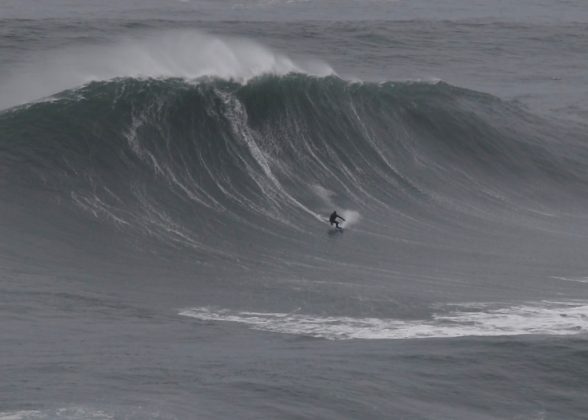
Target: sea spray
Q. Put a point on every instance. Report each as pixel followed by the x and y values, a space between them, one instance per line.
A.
pixel 185 54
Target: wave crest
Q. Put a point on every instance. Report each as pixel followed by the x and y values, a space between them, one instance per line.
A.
pixel 175 54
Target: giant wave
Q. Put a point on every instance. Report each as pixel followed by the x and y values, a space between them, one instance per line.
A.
pixel 237 177
pixel 260 149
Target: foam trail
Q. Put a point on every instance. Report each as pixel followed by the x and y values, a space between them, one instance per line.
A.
pixel 182 54
pixel 545 318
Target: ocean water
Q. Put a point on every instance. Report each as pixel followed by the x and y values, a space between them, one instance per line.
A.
pixel 167 168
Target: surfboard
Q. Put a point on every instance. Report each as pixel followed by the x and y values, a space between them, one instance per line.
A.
pixel 335 230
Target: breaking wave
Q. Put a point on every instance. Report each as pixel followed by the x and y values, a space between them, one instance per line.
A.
pixel 237 178
pixel 278 151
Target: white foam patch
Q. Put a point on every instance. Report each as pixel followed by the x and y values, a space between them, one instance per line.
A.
pixel 542 318
pixel 183 54
pixel 85 413
pixel 19 415
pixel 72 413
pixel 574 279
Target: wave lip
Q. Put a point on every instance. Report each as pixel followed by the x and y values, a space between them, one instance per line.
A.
pixel 539 318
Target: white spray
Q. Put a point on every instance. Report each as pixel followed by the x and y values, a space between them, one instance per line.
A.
pixel 184 54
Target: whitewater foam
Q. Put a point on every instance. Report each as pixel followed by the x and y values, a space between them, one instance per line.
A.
pixel 543 318
pixel 86 413
pixel 70 413
pixel 573 279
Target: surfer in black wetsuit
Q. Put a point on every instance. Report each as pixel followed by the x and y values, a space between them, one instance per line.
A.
pixel 333 219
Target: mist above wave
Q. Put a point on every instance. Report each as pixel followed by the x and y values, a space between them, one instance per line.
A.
pixel 186 54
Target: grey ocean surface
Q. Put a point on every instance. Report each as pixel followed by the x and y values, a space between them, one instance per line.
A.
pixel 166 168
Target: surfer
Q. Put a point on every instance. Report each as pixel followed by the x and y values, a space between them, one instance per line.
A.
pixel 333 219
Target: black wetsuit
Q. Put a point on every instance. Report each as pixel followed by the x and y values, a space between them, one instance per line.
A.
pixel 333 219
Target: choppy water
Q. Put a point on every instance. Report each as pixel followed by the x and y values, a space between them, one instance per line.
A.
pixel 165 173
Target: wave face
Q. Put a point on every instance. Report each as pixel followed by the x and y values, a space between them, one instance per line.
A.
pixel 238 178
